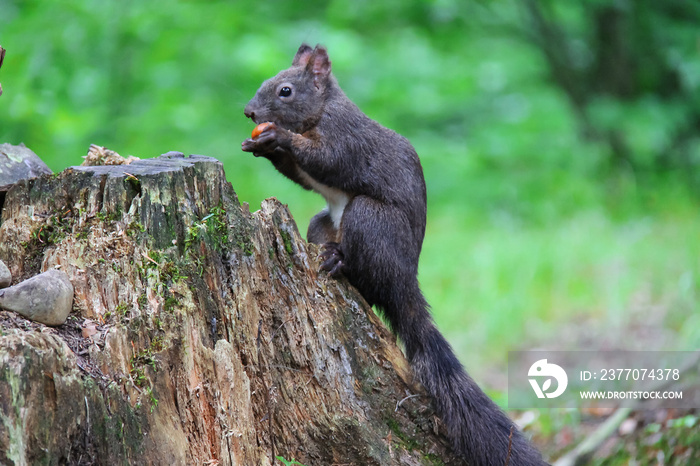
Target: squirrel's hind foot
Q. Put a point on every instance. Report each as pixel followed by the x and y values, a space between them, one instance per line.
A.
pixel 333 259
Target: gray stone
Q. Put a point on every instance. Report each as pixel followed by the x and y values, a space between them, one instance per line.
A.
pixel 19 163
pixel 45 298
pixel 5 276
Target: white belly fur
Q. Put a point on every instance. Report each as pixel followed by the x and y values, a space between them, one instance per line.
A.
pixel 335 198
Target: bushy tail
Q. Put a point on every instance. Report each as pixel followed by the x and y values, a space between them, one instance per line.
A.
pixel 478 429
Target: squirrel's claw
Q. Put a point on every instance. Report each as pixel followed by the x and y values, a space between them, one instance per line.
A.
pixel 332 258
pixel 248 145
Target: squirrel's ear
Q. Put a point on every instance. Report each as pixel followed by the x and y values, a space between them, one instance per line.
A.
pixel 319 65
pixel 302 56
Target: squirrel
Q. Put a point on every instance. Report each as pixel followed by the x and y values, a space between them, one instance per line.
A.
pixel 372 232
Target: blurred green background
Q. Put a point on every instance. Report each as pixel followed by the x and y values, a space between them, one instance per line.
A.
pixel 560 139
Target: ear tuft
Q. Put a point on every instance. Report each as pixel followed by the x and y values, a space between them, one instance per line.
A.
pixel 303 55
pixel 320 65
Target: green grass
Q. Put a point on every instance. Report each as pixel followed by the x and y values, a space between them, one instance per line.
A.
pixel 497 288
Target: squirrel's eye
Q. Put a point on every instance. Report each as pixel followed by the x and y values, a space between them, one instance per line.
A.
pixel 285 91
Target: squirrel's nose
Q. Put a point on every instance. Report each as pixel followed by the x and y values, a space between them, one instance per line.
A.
pixel 248 111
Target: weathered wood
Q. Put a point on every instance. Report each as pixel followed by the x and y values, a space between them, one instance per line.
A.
pixel 201 333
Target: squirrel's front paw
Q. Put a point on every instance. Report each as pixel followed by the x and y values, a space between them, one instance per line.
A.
pixel 248 145
pixel 266 141
pixel 333 259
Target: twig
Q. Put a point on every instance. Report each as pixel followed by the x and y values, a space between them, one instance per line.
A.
pixel 274 334
pixel 149 258
pixel 87 411
pixel 510 445
pixel 591 443
pixel 400 402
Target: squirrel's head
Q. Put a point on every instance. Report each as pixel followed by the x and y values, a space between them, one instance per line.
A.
pixel 294 99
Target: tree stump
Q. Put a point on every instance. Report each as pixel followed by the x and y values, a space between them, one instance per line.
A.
pixel 201 333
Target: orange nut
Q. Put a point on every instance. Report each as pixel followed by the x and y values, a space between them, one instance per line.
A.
pixel 259 129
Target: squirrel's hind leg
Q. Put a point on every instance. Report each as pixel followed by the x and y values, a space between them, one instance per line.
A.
pixel 321 229
pixel 380 257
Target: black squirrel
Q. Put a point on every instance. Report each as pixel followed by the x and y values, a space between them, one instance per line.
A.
pixel 372 232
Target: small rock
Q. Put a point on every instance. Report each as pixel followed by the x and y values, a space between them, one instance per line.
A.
pixel 627 427
pixel 5 276
pixel 45 298
pixel 19 163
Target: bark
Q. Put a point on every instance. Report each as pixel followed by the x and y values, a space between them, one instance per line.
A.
pixel 200 333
